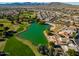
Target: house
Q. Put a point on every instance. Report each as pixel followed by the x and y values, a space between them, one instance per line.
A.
pixel 67 32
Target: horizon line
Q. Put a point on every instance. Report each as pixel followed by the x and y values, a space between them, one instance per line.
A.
pixel 72 3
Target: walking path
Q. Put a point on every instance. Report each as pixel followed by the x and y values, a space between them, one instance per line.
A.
pixel 2 45
pixel 28 43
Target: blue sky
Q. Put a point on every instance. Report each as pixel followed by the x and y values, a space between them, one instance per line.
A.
pixel 73 3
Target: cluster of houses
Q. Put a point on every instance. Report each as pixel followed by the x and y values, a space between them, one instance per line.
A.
pixel 65 37
pixel 47 15
pixel 62 34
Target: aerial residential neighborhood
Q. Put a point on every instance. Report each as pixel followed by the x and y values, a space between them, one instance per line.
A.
pixel 39 29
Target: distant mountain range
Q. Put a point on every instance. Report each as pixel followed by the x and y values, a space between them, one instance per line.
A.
pixel 24 4
pixel 58 5
pixel 52 4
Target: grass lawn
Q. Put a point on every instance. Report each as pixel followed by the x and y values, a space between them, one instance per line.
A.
pixel 16 48
pixel 28 14
pixel 5 22
pixel 29 43
pixel 10 25
pixel 2 45
pixel 22 26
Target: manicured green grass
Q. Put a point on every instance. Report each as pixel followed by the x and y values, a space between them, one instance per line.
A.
pixel 28 15
pixel 16 48
pixel 20 28
pixel 4 21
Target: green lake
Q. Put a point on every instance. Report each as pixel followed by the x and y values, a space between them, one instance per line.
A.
pixel 35 34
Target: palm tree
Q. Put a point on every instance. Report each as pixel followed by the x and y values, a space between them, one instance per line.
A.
pixel 51 48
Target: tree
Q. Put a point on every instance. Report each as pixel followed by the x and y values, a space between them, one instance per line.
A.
pixel 51 51
pixel 51 48
pixel 41 22
pixel 11 18
pixel 47 31
pixel 71 52
pixel 1 25
pixel 43 49
pixel 8 34
pixel 1 29
pixel 74 34
pixel 51 44
pixel 6 28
